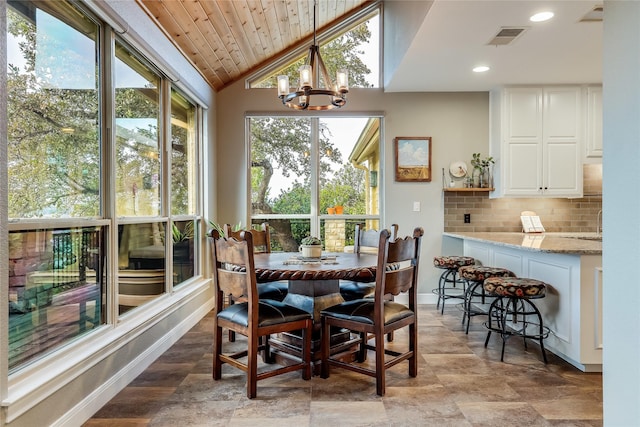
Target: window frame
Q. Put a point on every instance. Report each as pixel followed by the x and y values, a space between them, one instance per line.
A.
pixel 324 36
pixel 115 325
pixel 315 217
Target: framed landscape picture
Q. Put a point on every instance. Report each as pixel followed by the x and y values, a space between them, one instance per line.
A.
pixel 413 158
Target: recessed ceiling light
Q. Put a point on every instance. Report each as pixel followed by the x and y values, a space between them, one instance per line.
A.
pixel 542 16
pixel 481 69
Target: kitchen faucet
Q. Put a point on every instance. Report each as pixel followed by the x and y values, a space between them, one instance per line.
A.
pixel 599 222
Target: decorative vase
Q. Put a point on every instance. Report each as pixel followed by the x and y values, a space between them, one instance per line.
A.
pixel 311 251
pixel 486 178
pixel 476 178
pixel 339 209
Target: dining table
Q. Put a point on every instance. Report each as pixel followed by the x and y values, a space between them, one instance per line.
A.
pixel 314 284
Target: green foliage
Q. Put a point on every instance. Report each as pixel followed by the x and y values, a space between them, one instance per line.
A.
pixel 215 226
pixel 345 188
pixel 311 240
pixel 52 137
pixel 478 163
pixel 183 235
pixel 341 52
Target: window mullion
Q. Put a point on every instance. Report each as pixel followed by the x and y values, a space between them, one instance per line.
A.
pixel 315 176
pixel 108 149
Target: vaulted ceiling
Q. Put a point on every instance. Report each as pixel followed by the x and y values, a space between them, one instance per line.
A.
pixel 227 40
pixel 440 40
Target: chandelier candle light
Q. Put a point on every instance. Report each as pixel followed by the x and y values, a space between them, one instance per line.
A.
pixel 305 97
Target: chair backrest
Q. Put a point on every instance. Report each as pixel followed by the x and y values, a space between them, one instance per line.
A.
pixel 234 269
pixel 368 240
pixel 397 269
pixel 261 237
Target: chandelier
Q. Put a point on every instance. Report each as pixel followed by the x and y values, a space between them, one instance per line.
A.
pixel 305 97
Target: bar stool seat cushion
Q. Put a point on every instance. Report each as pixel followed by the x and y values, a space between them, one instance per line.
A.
pixel 515 287
pixel 478 273
pixel 452 261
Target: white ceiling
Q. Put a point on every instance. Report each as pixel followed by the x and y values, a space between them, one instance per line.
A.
pixel 455 34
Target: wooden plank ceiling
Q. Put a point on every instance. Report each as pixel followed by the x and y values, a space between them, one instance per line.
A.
pixel 228 39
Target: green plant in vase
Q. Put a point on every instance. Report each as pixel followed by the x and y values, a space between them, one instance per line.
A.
pixel 482 170
pixel 311 247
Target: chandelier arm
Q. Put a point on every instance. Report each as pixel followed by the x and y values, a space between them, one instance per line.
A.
pixel 325 74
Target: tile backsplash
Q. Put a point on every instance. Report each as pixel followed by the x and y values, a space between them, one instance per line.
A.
pixel 503 214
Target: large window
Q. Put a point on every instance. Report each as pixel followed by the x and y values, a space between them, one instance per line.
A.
pixel 356 48
pixel 90 185
pixel 53 116
pixel 314 176
pixel 137 99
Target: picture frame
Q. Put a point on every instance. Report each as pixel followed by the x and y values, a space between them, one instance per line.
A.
pixel 413 158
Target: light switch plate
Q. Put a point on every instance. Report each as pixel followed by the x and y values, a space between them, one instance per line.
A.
pixel 416 206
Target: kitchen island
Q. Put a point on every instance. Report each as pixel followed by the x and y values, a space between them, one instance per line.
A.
pixel 571 264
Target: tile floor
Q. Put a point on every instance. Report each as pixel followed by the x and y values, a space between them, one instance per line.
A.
pixel 460 383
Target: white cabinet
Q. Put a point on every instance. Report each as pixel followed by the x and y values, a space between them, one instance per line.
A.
pixel 539 140
pixel 594 123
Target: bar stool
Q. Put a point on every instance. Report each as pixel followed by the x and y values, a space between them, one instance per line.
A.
pixel 475 298
pixel 510 313
pixel 450 265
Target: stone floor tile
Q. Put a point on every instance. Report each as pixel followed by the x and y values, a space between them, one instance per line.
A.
pixel 567 408
pixel 502 414
pixel 331 413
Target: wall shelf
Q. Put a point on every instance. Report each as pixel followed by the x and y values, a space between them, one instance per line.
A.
pixel 454 189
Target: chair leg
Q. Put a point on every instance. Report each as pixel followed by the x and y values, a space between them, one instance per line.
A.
pixel 380 373
pixel 413 347
pixel 324 348
pixel 362 350
pixel 217 350
pixel 306 350
pixel 252 366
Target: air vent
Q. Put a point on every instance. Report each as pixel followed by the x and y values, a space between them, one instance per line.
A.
pixel 595 15
pixel 506 35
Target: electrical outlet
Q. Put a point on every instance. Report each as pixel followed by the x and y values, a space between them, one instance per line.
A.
pixel 467 218
pixel 416 206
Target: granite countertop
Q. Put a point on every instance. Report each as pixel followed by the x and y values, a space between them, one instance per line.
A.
pixel 563 243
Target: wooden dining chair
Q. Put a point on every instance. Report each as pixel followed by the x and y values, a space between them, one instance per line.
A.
pixel 261 245
pixel 234 274
pixel 396 272
pixel 365 241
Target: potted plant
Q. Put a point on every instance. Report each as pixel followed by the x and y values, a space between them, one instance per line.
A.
pixel 311 247
pixel 182 237
pixel 220 228
pixel 483 169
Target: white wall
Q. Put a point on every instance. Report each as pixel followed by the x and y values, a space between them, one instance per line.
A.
pixel 621 206
pixel 457 122
pixel 402 20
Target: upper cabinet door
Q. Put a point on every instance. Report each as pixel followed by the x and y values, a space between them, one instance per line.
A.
pixel 523 141
pixel 562 119
pixel 594 123
pixel 541 144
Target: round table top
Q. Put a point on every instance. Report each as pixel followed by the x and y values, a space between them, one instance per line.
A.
pixel 347 266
